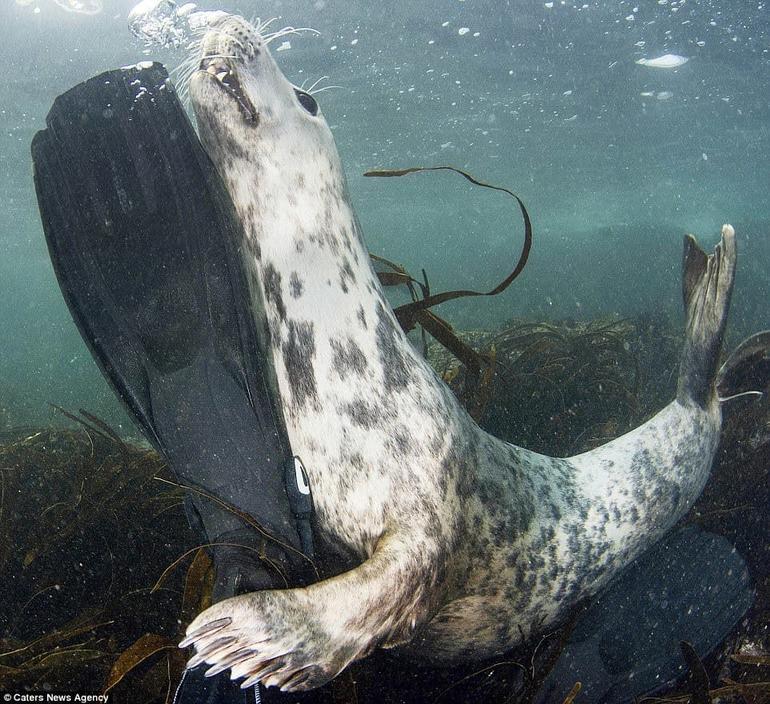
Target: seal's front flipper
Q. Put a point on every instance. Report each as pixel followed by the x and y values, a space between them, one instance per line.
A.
pixel 299 639
pixel 692 586
pixel 707 288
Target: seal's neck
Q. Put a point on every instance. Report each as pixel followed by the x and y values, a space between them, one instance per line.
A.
pixel 303 233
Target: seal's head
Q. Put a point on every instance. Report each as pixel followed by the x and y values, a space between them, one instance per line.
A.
pixel 245 106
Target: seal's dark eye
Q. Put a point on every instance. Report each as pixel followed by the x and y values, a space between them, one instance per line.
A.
pixel 307 101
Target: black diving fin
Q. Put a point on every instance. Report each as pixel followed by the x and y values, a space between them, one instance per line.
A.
pixel 692 586
pixel 145 243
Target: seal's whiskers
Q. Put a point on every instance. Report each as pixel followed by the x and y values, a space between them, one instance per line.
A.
pixel 181 76
pixel 261 26
pixel 313 90
pixel 315 83
pixel 271 36
pixel 321 90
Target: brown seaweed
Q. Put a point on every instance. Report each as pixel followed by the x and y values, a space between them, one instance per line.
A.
pixel 570 698
pixel 555 388
pixel 407 314
pixel 478 366
pixel 80 496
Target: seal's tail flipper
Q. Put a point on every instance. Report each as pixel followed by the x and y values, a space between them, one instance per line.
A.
pixel 707 287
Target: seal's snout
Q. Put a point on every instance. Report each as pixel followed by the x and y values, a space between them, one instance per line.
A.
pixel 230 45
pixel 233 37
pixel 223 71
pixel 236 82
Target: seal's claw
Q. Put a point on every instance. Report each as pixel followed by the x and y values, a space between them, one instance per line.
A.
pixel 281 638
pixel 194 661
pixel 211 650
pixel 275 680
pixel 270 668
pixel 216 669
pixel 194 634
pixel 216 645
pixel 296 681
pixel 257 668
pixel 281 678
pixel 238 656
pixel 248 682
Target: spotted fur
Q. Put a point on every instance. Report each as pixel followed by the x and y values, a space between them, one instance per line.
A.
pixel 466 545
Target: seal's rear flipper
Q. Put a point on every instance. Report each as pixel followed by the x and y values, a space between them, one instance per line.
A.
pixel 692 586
pixel 707 288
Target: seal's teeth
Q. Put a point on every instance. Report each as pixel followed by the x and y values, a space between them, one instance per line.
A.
pixel 222 75
pixel 213 64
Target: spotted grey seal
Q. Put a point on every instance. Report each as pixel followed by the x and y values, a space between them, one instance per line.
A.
pixel 466 545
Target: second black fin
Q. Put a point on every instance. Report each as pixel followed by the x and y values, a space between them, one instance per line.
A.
pixel 691 586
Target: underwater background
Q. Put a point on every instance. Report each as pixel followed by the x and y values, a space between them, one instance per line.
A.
pixel 615 160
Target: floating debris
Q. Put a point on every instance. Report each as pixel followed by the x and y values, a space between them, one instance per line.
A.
pixel 665 61
pixel 81 7
pixel 660 95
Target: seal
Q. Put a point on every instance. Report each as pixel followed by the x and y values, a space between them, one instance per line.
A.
pixel 464 545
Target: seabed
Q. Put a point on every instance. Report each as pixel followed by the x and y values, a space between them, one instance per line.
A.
pixel 101 572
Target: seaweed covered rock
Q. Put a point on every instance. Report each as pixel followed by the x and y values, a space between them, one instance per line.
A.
pixel 85 530
pixel 90 523
pixel 562 388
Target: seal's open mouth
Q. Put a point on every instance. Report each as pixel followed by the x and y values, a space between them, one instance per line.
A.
pixel 224 72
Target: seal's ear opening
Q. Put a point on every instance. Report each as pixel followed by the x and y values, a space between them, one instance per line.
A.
pixel 145 243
